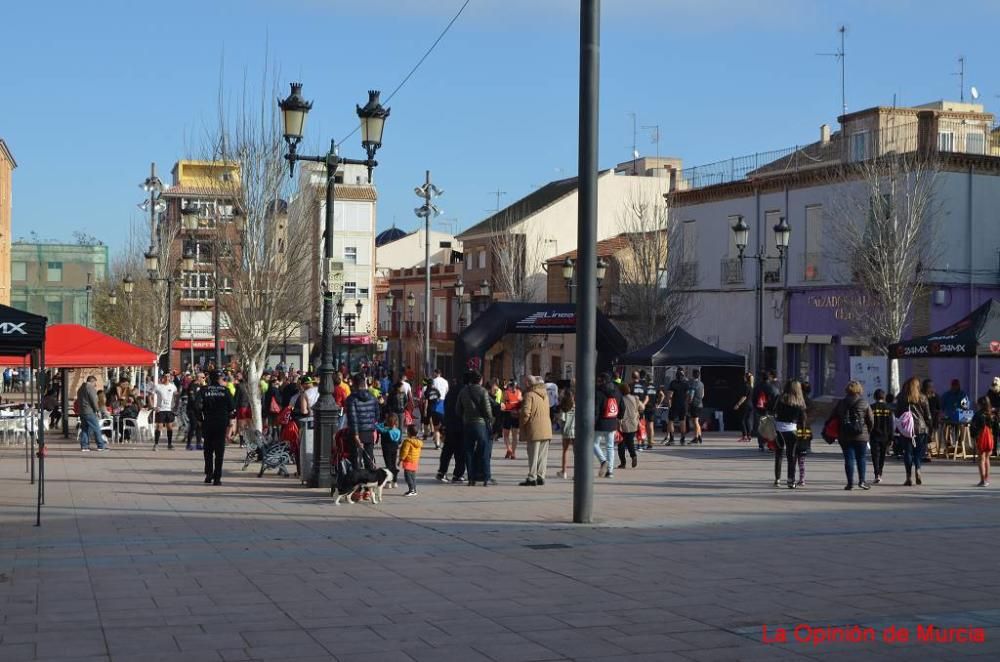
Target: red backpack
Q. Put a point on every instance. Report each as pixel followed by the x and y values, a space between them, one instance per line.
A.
pixel 610 407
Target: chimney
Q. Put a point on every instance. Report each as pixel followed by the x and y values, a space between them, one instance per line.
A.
pixel 824 134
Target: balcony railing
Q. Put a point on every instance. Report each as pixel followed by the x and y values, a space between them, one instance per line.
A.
pixel 732 271
pixel 687 274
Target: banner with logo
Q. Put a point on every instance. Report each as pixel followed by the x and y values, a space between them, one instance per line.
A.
pixel 20 331
pixel 978 333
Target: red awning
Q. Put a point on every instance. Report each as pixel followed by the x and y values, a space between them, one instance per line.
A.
pixel 76 346
pixel 197 344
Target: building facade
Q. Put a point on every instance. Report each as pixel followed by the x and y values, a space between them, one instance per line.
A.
pixel 57 281
pixel 809 302
pixel 206 192
pixel 7 165
pixel 352 268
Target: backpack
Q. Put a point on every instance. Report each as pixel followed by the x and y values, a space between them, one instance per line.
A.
pixel 766 429
pixel 831 429
pixel 285 417
pixel 610 407
pixel 761 403
pixel 851 424
pixel 905 424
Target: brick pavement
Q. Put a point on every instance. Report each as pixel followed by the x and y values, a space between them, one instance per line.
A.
pixel 692 552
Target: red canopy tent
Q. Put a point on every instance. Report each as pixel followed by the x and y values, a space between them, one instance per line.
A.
pixel 76 346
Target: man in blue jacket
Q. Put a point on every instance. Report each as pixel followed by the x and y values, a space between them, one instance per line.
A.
pixel 362 415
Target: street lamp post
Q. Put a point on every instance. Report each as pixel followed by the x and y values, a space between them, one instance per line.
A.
pixel 460 295
pixel 426 211
pixel 782 233
pixel 294 109
pixel 340 334
pixel 90 289
pixel 153 269
pixel 411 302
pixel 390 299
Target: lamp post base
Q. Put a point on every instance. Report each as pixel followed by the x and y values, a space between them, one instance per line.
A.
pixel 326 416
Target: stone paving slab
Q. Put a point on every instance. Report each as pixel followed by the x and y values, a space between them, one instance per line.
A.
pixel 690 555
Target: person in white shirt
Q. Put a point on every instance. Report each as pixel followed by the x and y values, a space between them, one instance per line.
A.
pixel 165 399
pixel 407 390
pixel 440 383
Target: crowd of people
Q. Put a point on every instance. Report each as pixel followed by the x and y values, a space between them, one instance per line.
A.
pixel 465 419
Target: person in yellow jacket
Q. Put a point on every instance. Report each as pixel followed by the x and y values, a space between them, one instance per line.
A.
pixel 409 459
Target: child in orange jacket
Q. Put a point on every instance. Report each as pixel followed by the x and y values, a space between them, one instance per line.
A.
pixel 409 459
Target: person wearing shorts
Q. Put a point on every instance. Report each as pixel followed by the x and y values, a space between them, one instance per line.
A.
pixel 677 399
pixel 511 408
pixel 567 407
pixel 165 398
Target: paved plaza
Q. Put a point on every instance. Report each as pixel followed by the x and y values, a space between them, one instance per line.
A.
pixel 691 554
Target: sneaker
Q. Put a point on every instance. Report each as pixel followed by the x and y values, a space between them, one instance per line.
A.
pixel 410 493
pixel 457 479
pixel 986 484
pixel 487 483
pixel 669 443
pixel 791 485
pixel 908 483
pixel 216 482
pixel 777 483
pixel 560 474
pixel 189 447
pixel 801 483
pixel 635 462
pixel 621 466
pixel 864 486
pixel 609 475
pixel 170 447
pixel 540 481
pixel 472 483
pixel 981 483
pixel 439 478
pixel 878 479
pixel 683 441
pixel 603 470
pixel 848 487
pixel 103 449
pixel 208 479
pixel 154 447
pixel 528 483
pixel 919 482
pixel 84 450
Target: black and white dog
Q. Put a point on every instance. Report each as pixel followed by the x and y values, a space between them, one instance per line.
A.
pixel 363 479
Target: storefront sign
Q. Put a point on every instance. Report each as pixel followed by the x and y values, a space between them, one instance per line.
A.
pixel 843 306
pixel 871 372
pixel 548 322
pixel 197 344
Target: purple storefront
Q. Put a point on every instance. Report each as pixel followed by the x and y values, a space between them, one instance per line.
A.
pixel 821 337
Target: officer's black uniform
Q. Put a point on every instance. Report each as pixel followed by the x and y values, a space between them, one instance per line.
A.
pixel 217 408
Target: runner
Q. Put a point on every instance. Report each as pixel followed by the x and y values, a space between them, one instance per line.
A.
pixel 677 403
pixel 165 395
pixel 511 408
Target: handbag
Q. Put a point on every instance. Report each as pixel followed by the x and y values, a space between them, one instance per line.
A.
pixel 274 407
pixel 766 429
pixel 831 429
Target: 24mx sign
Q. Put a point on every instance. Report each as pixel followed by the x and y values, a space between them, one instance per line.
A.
pixel 10 328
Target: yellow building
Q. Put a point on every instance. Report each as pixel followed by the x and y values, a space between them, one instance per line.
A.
pixel 7 165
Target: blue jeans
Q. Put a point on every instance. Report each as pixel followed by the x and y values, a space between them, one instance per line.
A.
pixel 478 448
pixel 90 427
pixel 604 448
pixel 854 453
pixel 913 451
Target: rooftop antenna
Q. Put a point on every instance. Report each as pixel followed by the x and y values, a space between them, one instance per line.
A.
pixel 961 78
pixel 635 140
pixel 497 193
pixel 842 56
pixel 654 137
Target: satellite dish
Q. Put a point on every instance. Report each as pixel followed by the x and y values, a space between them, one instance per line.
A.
pixel 975 93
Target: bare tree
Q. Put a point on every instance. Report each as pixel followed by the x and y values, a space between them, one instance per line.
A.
pixel 883 238
pixel 517 254
pixel 140 317
pixel 654 295
pixel 264 251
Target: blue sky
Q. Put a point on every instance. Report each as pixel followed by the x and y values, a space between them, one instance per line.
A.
pixel 93 92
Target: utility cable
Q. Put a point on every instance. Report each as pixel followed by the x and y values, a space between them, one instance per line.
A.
pixel 417 65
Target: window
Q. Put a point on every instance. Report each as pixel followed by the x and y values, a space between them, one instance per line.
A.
pixel 202 253
pixel 814 243
pixel 200 285
pixel 482 258
pixel 54 272
pixel 21 303
pixel 946 141
pixel 18 271
pixel 468 261
pixel 350 254
pixel 689 241
pixel 975 143
pixel 363 292
pixel 350 289
pixel 859 146
pixel 54 311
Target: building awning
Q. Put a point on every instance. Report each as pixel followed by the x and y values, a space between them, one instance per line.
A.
pixel 854 341
pixel 808 339
pixel 197 344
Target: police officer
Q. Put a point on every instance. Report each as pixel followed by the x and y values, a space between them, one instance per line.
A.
pixel 217 409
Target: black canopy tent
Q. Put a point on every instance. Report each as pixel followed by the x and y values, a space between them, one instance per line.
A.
pixel 23 334
pixel 678 347
pixel 977 334
pixel 501 319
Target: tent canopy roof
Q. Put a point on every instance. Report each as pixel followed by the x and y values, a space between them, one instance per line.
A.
pixel 976 334
pixel 678 347
pixel 76 346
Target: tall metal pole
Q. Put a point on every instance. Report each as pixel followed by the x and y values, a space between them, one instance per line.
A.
pixel 759 331
pixel 152 206
pixel 170 303
pixel 326 410
pixel 586 309
pixel 427 276
pixel 215 317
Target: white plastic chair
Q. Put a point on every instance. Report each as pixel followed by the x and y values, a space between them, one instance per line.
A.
pixel 108 429
pixel 145 423
pixel 130 431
